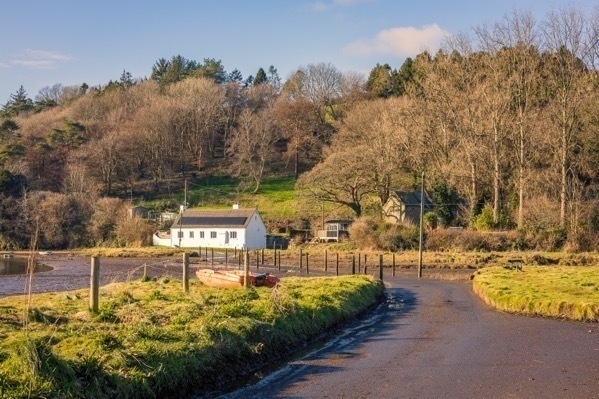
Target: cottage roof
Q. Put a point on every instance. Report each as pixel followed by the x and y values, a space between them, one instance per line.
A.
pixel 412 198
pixel 214 218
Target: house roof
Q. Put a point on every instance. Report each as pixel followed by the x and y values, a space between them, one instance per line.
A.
pixel 214 218
pixel 412 198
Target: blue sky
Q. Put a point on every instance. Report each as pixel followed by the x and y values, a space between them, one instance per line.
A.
pixel 70 42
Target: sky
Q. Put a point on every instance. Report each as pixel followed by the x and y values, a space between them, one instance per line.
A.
pixel 71 42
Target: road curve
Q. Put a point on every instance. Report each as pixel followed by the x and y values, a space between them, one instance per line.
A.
pixel 435 339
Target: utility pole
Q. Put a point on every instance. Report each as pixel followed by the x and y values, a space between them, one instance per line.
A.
pixel 420 245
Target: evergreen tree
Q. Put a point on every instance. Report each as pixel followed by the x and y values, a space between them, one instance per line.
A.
pixel 379 81
pixel 17 103
pixel 273 77
pixel 126 80
pixel 235 76
pixel 213 70
pixel 260 77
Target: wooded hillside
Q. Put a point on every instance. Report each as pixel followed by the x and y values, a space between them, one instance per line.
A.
pixel 502 121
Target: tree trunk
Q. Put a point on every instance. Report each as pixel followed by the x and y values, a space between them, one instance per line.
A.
pixel 564 171
pixel 521 180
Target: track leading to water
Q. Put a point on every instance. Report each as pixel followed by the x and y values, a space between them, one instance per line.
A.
pixel 435 339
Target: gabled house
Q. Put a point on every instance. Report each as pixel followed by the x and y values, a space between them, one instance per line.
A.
pixel 404 207
pixel 222 228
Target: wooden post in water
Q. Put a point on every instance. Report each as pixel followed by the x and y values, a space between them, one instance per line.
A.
pixel 94 284
pixel 186 273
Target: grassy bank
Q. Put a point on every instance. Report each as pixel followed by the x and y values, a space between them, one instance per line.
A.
pixel 149 339
pixel 555 291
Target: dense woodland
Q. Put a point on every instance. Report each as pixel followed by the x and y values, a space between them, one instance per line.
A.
pixel 503 122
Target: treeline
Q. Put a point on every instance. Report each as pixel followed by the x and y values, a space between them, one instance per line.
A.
pixel 502 122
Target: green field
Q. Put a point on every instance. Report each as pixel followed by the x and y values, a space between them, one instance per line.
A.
pixel 149 339
pixel 276 198
pixel 570 292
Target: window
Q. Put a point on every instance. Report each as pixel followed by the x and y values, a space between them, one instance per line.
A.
pixel 179 234
pixel 191 234
pixel 233 234
pixel 213 234
pixel 201 234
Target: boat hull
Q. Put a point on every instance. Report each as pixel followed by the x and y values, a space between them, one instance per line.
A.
pixel 235 278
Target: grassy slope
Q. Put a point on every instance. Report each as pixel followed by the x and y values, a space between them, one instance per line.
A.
pixel 561 291
pixel 149 339
pixel 276 198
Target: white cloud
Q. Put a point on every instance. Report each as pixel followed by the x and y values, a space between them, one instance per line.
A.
pixel 40 59
pixel 400 42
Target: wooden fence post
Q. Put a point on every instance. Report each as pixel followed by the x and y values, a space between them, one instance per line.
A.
pixel 353 264
pixel 325 261
pixel 393 269
pixel 307 267
pixel 262 256
pixel 94 284
pixel 212 257
pixel 257 259
pixel 337 265
pixel 246 270
pixel 301 258
pixel 279 260
pixel 359 263
pixel 186 273
pixel 275 255
pixel 381 267
pixel 226 257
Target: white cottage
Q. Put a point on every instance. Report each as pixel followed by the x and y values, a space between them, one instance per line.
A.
pixel 226 228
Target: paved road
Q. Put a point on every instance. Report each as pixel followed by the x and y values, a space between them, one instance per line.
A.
pixel 435 339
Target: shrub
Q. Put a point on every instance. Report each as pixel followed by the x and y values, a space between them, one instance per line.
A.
pixel 484 220
pixel 363 232
pixel 396 237
pixel 134 232
pixel 430 220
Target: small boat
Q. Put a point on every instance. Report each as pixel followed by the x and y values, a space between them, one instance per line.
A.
pixel 234 278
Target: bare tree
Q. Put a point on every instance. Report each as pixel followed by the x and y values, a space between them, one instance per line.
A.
pixel 567 48
pixel 252 143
